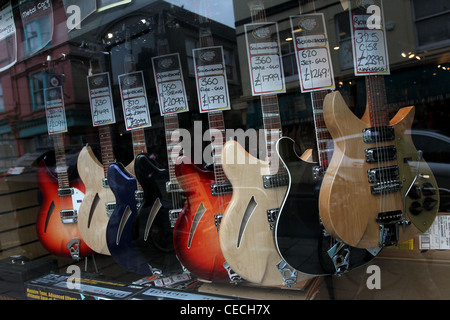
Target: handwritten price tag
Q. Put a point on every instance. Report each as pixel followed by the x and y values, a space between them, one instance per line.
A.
pixel 134 101
pixel 312 52
pixel 212 85
pixel 55 111
pixel 102 110
pixel 370 56
pixel 170 84
pixel 264 54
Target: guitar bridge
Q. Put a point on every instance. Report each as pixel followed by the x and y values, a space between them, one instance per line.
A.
pixel 69 216
pixel 173 216
pixel 218 220
pixel 272 215
pixel 110 206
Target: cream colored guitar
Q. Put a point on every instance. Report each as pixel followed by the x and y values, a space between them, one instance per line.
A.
pixel 99 201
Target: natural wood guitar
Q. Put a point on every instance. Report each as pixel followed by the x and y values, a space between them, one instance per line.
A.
pixel 378 190
pixel 99 201
pixel 300 236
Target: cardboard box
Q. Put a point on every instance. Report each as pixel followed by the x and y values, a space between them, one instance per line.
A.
pixel 55 286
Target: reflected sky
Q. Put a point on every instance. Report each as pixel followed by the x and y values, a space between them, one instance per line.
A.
pixel 219 10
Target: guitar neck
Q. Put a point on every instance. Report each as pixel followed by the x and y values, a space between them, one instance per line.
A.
pixel 272 124
pixel 323 137
pixel 376 101
pixel 139 146
pixel 171 126
pixel 61 163
pixel 216 123
pixel 106 147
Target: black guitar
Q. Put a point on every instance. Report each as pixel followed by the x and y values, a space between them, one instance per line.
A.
pixel 153 224
pixel 300 237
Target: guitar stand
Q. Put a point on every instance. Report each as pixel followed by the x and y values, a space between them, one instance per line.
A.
pixel 86 264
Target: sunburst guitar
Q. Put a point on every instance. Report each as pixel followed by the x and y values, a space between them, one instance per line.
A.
pixel 56 223
pixel 196 231
pixel 378 190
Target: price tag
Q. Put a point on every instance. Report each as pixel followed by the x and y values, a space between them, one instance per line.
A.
pixel 54 110
pixel 134 100
pixel 312 52
pixel 264 57
pixel 102 109
pixel 211 79
pixel 170 84
pixel 370 56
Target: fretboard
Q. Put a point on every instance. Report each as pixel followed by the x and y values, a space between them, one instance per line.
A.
pixel 106 147
pixel 61 163
pixel 171 127
pixel 272 124
pixel 216 123
pixel 139 146
pixel 323 137
pixel 376 101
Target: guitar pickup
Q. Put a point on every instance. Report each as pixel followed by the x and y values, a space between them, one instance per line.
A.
pixel 69 216
pixel 220 189
pixel 65 192
pixel 378 134
pixel 105 183
pixel 110 206
pixel 276 180
pixel 384 174
pixel 388 153
pixel 173 186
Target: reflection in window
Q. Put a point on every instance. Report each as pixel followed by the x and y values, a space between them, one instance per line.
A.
pixel 2 101
pixel 7 151
pixel 38 84
pixel 432 22
pixel 37 35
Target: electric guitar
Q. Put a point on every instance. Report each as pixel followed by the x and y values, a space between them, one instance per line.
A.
pixel 247 227
pixel 99 201
pixel 196 232
pixel 163 198
pixel 56 224
pixel 156 216
pixel 129 195
pixel 300 236
pixel 378 190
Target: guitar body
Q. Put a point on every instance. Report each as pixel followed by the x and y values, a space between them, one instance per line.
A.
pixel 347 207
pixel 152 231
pixel 60 239
pixel 92 217
pixel 300 237
pixel 195 235
pixel 119 230
pixel 246 238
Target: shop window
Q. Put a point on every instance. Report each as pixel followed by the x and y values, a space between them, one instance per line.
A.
pixel 7 152
pixel 344 41
pixel 37 35
pixel 191 44
pixel 432 23
pixel 38 83
pixel 2 101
